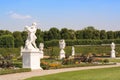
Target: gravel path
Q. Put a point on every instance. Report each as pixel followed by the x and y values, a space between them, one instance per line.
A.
pixel 21 76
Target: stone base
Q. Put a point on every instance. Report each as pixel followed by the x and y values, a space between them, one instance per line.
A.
pixel 113 54
pixel 41 54
pixel 73 54
pixel 62 54
pixel 31 59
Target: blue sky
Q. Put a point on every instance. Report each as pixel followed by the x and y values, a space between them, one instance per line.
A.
pixel 72 14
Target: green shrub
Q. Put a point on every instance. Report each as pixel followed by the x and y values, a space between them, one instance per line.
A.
pixel 106 61
pixel 6 41
pixel 17 64
pixel 15 52
pixel 68 61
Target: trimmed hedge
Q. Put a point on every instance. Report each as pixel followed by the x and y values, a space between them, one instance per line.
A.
pixel 8 51
pixel 10 71
pixel 100 50
pixel 53 43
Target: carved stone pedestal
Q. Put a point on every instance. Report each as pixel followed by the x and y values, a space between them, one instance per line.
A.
pixel 31 59
pixel 41 54
pixel 62 54
pixel 113 54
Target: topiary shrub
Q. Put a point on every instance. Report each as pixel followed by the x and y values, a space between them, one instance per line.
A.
pixel 106 61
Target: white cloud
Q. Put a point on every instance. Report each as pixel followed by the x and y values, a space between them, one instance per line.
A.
pixel 19 16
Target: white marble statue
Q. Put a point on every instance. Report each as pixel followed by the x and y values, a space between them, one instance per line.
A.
pixel 41 46
pixel 30 42
pixel 21 50
pixel 73 51
pixel 113 50
pixel 31 54
pixel 62 45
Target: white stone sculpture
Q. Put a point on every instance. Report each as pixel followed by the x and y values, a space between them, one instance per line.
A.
pixel 62 46
pixel 41 46
pixel 31 54
pixel 30 42
pixel 113 50
pixel 73 51
pixel 21 50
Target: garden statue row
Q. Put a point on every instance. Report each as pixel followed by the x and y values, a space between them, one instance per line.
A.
pixel 31 55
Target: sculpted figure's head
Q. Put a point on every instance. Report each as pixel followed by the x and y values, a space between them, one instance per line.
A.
pixel 34 24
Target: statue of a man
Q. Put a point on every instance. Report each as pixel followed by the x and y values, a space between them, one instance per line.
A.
pixel 30 42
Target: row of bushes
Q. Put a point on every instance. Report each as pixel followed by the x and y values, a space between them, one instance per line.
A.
pixel 10 51
pixel 82 42
pixel 97 50
pixel 10 71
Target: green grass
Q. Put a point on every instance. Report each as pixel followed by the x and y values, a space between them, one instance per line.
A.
pixel 93 74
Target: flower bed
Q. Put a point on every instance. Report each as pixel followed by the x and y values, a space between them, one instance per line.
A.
pixel 68 63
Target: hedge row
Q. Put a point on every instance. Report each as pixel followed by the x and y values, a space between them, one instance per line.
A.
pixel 81 42
pixel 10 51
pixel 10 71
pixel 79 49
pixel 83 49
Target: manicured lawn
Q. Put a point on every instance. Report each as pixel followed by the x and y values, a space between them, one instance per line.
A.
pixel 95 74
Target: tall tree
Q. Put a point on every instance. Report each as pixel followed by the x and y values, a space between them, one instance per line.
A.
pixel 79 34
pixel 88 32
pixel 54 33
pixel 6 41
pixel 24 35
pixel 46 36
pixel 18 39
pixel 5 32
pixel 65 33
pixel 39 35
pixel 96 34
pixel 103 34
pixel 72 34
pixel 117 34
pixel 110 35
